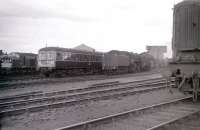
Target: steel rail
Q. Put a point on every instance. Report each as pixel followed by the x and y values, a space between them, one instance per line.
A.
pixel 73 90
pixel 72 102
pixel 19 96
pixel 28 81
pixel 164 124
pixel 14 104
pixel 86 124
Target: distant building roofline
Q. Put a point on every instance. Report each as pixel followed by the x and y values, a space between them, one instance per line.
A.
pixel 84 47
pixel 64 49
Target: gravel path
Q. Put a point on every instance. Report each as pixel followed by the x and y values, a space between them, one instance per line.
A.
pixel 55 118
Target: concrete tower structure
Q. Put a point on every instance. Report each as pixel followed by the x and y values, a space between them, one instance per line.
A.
pixel 157 51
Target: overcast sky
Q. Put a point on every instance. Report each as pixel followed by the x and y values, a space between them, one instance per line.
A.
pixel 129 25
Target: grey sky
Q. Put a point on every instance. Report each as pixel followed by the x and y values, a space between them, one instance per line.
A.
pixel 28 25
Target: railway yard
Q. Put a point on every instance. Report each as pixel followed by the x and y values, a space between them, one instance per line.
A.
pixel 82 89
pixel 144 101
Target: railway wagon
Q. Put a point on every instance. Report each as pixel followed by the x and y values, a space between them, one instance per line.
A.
pixel 18 63
pixel 57 61
pixel 115 62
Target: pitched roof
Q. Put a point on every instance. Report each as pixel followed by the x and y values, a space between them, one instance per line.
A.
pixel 84 47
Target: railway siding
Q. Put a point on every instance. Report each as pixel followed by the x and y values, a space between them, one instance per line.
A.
pixel 37 96
pixel 103 92
pixel 34 108
pixel 58 117
pixel 91 87
pixel 66 84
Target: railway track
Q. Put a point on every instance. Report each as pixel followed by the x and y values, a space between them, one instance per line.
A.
pixel 5 84
pixel 26 96
pixel 153 117
pixel 63 98
pixel 12 83
pixel 19 96
pixel 190 122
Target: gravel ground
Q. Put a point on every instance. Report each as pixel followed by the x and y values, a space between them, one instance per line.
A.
pixel 149 118
pixel 55 118
pixel 66 86
pixel 189 123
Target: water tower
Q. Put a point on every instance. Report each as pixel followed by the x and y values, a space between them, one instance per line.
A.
pixel 186 31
